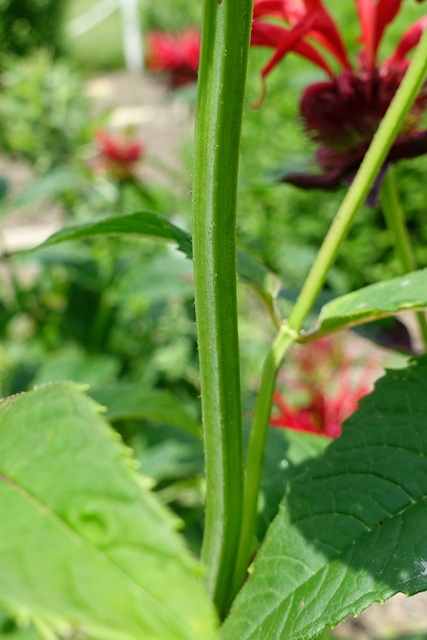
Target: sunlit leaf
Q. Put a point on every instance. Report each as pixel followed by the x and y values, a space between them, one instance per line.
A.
pixel 286 454
pixel 351 529
pixel 370 303
pixel 84 546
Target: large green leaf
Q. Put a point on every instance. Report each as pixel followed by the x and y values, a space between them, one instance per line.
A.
pixel 83 544
pixel 370 303
pixel 286 454
pixel 125 401
pixel 351 530
pixel 143 223
pixel 154 225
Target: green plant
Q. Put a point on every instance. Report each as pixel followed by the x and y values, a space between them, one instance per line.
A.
pixel 350 528
pixel 26 25
pixel 53 120
pixel 272 214
pixel 169 16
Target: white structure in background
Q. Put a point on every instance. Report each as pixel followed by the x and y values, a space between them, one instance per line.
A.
pixel 132 33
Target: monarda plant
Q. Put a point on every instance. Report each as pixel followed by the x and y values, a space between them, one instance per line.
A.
pixel 87 550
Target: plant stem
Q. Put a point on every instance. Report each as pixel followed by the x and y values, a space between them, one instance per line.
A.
pixel 256 448
pixel 371 165
pixel 375 156
pixel 221 85
pixel 395 220
pixel 43 630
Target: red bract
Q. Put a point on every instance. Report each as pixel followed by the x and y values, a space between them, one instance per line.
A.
pixel 118 154
pixel 342 113
pixel 326 376
pixel 177 54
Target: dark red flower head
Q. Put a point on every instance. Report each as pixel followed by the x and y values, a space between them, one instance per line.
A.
pixel 343 113
pixel 118 154
pixel 177 54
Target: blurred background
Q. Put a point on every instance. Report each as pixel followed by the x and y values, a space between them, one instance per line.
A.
pixel 97 101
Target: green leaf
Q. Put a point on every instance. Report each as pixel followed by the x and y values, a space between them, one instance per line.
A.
pixel 351 530
pixel 21 634
pixel 83 545
pixel 286 454
pixel 150 224
pixel 74 364
pixel 167 454
pixel 143 223
pixel 161 276
pixel 126 401
pixel 370 303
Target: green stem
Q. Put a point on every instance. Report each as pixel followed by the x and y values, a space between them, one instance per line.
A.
pixel 374 159
pixel 395 220
pixel 221 86
pixel 256 448
pixel 43 630
pixel 371 165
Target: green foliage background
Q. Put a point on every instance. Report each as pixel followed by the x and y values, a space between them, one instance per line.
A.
pixel 26 25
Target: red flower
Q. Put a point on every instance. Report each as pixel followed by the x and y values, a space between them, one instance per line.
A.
pixel 326 376
pixel 342 113
pixel 118 154
pixel 177 54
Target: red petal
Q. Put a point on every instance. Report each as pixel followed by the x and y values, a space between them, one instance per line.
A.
pixel 271 35
pixel 374 18
pixel 409 40
pixel 168 51
pixel 266 35
pixel 387 10
pixel 315 22
pixel 325 31
pixel 367 14
pixel 289 10
pixel 292 39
